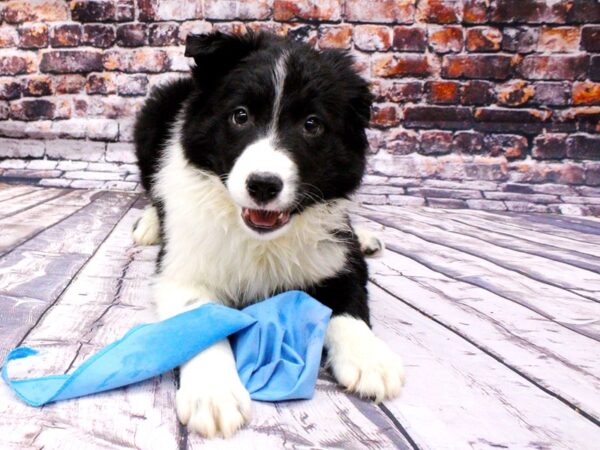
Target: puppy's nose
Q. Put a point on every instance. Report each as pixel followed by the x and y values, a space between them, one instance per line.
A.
pixel 264 187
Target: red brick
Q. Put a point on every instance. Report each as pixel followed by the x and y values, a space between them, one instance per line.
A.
pixel 586 93
pixel 37 86
pixel 100 83
pixel 435 142
pixel 380 11
pixel 335 36
pixel 401 91
pixel 69 84
pixel 529 11
pixel 582 146
pixel 131 35
pixel 446 117
pixel 286 10
pixel 18 11
pixel 549 146
pixel 483 39
pixel 515 93
pixel 160 10
pixel 475 11
pixel 93 10
pixel 124 10
pixel 164 34
pixel 400 141
pixel 476 92
pixel 65 35
pixel 440 11
pixel 467 142
pixel 446 39
pixel 509 145
pixel 559 39
pixel 9 89
pixel 240 9
pixel 33 35
pixel 71 61
pixel 556 67
pixel 16 63
pixel 32 110
pixel 494 67
pixel 551 93
pixel 442 92
pixel 590 38
pixel 142 60
pixel 8 37
pixel 584 11
pixel 384 116
pixel 520 40
pixel 398 65
pixel 372 37
pixel 98 35
pixel 410 39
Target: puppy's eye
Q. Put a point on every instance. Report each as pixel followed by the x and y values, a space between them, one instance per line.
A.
pixel 240 116
pixel 313 126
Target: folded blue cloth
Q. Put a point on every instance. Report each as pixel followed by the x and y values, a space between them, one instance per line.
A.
pixel 277 345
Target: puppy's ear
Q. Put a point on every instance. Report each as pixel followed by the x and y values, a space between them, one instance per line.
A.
pixel 217 53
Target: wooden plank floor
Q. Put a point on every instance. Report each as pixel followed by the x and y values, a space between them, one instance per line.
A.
pixel 497 317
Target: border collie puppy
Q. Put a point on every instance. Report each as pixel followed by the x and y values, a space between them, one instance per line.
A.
pixel 249 164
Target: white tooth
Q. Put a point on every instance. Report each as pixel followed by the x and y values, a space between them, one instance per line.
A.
pixel 280 216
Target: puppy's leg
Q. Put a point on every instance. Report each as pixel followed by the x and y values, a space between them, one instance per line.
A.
pixel 147 229
pixel 370 244
pixel 211 398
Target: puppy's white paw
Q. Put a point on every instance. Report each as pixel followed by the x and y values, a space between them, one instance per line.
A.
pixel 370 244
pixel 210 409
pixel 361 362
pixel 147 230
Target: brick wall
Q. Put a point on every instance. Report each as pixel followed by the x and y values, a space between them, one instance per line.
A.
pixel 481 104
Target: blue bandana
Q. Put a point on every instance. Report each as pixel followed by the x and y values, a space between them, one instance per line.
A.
pixel 277 345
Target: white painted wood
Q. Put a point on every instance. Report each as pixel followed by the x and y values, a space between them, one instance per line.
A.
pixel 24 202
pixel 10 191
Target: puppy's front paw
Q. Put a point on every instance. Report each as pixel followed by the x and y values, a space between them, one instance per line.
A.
pixel 209 408
pixel 363 363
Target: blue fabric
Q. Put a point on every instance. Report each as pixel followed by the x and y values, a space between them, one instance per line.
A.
pixel 277 345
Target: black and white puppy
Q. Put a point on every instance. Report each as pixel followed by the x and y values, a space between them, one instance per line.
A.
pixel 249 164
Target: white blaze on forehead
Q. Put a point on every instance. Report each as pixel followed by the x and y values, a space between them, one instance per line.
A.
pixel 279 74
pixel 263 156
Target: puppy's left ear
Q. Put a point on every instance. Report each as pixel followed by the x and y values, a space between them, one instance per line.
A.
pixel 215 54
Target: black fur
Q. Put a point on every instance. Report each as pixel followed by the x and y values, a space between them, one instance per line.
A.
pixel 233 70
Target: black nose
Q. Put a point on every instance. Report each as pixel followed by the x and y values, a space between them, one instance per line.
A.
pixel 264 187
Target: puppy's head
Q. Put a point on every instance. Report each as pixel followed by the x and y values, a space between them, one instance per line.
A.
pixel 281 124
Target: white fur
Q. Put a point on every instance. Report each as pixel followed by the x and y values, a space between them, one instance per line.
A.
pixel 147 230
pixel 370 244
pixel 362 362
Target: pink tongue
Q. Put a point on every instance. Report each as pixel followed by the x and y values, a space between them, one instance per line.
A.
pixel 263 218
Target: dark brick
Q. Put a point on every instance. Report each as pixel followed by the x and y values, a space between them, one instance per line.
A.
pixel 529 11
pixel 555 67
pixel 69 84
pixel 440 11
pixel 515 93
pixel 125 10
pixel 445 117
pixel 594 72
pixel 446 39
pixel 475 11
pixel 93 10
pixel 483 39
pixel 33 35
pixel 581 146
pixel 131 35
pixel 509 145
pixel 410 39
pixel 476 92
pixel 391 65
pixel 442 92
pixel 401 91
pixel 100 83
pixel 592 175
pixel 15 64
pixel 33 110
pixel 520 40
pixel 486 114
pixel 590 38
pixel 550 146
pixel 384 116
pixel 98 35
pixel 584 11
pixel 551 93
pixel 162 34
pixel 435 142
pixel 467 142
pixel 71 61
pixel 65 35
pixel 38 86
pixel 10 89
pixel 378 11
pixel 494 67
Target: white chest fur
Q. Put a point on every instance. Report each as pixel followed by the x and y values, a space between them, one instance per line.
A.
pixel 207 245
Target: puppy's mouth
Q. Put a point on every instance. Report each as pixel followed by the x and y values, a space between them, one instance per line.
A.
pixel 264 221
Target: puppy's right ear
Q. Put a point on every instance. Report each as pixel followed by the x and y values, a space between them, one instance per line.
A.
pixel 217 53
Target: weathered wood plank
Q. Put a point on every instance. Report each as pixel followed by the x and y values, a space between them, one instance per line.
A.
pixel 140 416
pixel 458 397
pixel 8 191
pixel 24 202
pixel 561 306
pixel 512 256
